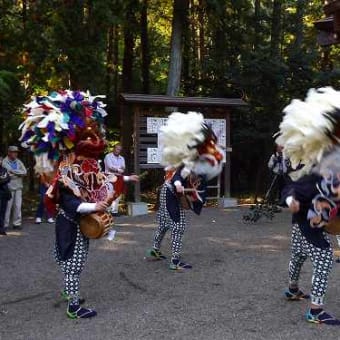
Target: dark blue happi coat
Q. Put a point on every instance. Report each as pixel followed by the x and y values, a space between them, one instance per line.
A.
pixel 67 223
pixel 173 203
pixel 305 190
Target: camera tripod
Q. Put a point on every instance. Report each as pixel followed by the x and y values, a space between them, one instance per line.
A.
pixel 266 208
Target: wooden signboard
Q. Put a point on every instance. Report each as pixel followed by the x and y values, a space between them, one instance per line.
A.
pixel 149 112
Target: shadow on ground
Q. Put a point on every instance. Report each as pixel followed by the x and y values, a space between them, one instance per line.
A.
pixel 233 292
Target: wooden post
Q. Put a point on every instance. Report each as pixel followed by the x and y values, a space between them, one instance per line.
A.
pixel 136 132
pixel 228 158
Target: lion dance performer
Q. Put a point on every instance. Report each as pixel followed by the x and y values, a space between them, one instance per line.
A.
pixel 67 127
pixel 310 134
pixel 191 157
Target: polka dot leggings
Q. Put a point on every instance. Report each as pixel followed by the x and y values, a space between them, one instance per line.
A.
pixel 73 267
pixel 165 223
pixel 322 260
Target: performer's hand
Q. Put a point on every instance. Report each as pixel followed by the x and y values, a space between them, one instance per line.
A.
pixel 315 221
pixel 294 206
pixel 180 189
pixel 101 206
pixel 120 170
pixel 134 178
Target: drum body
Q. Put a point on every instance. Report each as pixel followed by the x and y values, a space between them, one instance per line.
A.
pixel 96 225
pixel 333 227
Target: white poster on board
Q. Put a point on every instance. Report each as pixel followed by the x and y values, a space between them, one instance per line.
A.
pixel 155 123
pixel 219 128
pixel 153 156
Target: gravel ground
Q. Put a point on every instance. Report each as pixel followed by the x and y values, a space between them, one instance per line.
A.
pixel 233 292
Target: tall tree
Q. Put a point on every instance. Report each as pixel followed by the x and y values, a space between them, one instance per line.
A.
pixel 126 120
pixel 276 28
pixel 129 44
pixel 145 47
pixel 257 8
pixel 300 10
pixel 180 9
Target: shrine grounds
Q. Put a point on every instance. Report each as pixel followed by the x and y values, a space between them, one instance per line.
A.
pixel 234 291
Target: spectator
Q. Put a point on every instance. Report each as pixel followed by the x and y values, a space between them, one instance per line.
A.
pixel 115 164
pixel 17 171
pixel 43 186
pixel 5 195
pixel 280 166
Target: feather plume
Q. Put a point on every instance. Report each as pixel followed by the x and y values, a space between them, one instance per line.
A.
pixel 179 136
pixel 310 128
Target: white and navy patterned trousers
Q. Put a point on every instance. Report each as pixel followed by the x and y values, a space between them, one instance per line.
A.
pixel 322 260
pixel 73 267
pixel 165 223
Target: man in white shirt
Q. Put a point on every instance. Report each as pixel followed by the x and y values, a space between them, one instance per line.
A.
pixel 115 164
pixel 17 171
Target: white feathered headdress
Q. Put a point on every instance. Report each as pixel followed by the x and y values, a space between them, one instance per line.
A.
pixel 176 138
pixel 182 141
pixel 311 127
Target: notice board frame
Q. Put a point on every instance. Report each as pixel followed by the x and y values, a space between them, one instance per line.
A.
pixel 143 105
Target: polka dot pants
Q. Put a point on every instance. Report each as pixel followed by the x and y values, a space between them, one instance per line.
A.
pixel 165 223
pixel 73 267
pixel 322 260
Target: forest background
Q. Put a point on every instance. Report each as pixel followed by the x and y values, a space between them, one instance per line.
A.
pixel 264 51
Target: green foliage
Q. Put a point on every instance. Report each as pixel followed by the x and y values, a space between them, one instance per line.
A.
pixel 232 49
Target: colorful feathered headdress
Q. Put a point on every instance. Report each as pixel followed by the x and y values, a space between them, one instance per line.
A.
pixel 311 127
pixel 62 121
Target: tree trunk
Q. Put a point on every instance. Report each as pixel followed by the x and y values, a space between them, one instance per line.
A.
pixel 276 28
pixel 257 23
pixel 145 48
pixel 126 117
pixel 115 60
pixel 180 9
pixel 129 44
pixel 201 50
pixel 24 13
pixel 300 9
pixel 188 60
pixel 109 59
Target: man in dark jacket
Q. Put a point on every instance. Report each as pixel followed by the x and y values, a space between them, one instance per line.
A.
pixel 5 195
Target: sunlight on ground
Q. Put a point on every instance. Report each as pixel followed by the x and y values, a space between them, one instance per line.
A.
pixel 14 233
pixel 119 233
pixel 121 238
pixel 109 245
pixel 230 210
pixel 280 237
pixel 246 246
pixel 139 225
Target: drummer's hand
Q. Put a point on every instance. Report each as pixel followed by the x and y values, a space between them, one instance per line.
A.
pixel 315 221
pixel 101 206
pixel 294 206
pixel 180 189
pixel 133 178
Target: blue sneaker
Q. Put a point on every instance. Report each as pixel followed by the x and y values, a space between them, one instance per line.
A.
pixel 154 255
pixel 322 317
pixel 178 265
pixel 77 312
pixel 298 296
